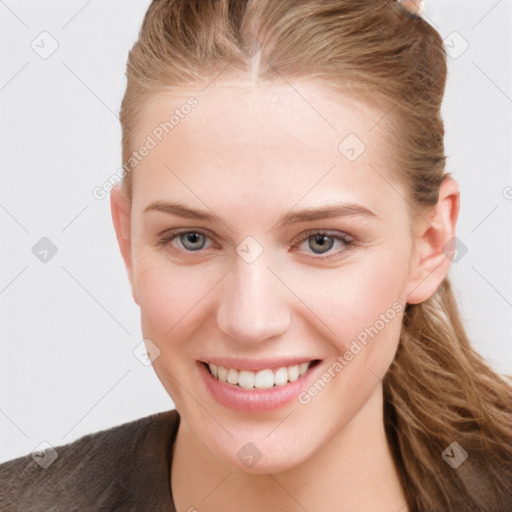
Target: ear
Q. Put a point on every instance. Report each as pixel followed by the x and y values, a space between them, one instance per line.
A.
pixel 434 244
pixel 120 209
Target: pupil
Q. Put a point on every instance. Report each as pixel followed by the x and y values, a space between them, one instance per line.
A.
pixel 189 240
pixel 325 242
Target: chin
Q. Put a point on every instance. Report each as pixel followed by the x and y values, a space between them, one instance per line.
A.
pixel 263 456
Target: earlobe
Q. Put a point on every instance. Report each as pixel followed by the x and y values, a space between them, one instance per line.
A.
pixel 434 243
pixel 120 210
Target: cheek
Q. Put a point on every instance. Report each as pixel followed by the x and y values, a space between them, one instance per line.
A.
pixel 375 308
pixel 169 295
pixel 366 317
pixel 171 298
pixel 362 304
pixel 353 296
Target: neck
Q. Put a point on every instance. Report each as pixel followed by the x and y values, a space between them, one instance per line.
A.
pixel 352 472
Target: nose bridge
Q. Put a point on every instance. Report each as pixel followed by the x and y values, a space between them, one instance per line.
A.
pixel 252 307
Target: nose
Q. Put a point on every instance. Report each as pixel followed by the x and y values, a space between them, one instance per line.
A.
pixel 254 306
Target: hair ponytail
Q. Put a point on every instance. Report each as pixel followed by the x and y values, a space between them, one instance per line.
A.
pixel 438 390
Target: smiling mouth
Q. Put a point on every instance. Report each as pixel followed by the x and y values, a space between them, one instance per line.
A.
pixel 262 379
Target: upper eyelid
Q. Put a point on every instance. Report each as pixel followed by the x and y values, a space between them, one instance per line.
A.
pixel 328 232
pixel 308 232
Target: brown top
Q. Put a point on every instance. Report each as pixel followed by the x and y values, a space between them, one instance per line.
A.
pixel 124 468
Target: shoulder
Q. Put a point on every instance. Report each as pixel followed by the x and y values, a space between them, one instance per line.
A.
pixel 119 468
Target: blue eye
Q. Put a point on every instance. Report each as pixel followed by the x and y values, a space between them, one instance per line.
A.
pixel 191 241
pixel 319 242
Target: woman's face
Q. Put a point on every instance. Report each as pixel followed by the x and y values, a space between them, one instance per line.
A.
pixel 296 260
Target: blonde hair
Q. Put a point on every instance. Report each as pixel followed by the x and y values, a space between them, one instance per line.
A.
pixel 438 390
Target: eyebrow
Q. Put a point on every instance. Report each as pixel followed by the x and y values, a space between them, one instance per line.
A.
pixel 305 215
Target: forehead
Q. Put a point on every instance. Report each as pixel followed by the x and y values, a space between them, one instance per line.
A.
pixel 281 139
pixel 254 112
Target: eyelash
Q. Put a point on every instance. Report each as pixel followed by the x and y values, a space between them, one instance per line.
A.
pixel 346 240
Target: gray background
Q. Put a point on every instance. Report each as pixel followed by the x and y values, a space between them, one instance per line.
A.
pixel 69 325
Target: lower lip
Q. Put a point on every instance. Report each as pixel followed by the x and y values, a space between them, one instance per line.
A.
pixel 254 400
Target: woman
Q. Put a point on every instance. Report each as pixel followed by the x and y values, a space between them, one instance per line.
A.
pixel 287 226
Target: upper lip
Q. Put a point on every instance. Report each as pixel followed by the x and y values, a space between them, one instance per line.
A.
pixel 253 364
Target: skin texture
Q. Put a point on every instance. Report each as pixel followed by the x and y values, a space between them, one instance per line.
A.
pixel 250 153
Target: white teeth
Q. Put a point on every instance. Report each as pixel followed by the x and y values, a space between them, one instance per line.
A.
pixel 263 379
pixel 222 373
pixel 303 368
pixel 281 376
pixel 293 373
pixel 232 376
pixel 246 379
